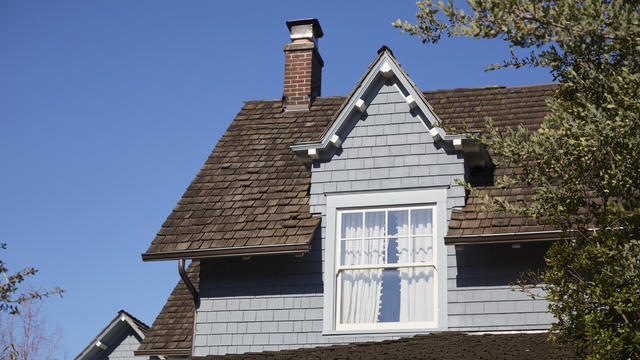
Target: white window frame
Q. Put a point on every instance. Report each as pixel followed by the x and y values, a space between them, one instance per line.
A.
pixel 435 199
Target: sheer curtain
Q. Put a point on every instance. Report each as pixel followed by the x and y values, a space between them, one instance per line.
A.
pixel 361 289
pixel 417 284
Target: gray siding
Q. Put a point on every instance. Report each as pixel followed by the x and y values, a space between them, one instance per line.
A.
pixel 266 303
pixel 479 294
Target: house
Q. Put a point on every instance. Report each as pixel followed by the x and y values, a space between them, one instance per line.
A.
pixel 117 340
pixel 321 221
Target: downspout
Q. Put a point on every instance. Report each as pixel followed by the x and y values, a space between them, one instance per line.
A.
pixel 187 281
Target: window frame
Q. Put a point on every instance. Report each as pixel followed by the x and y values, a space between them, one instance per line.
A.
pixel 406 265
pixel 434 198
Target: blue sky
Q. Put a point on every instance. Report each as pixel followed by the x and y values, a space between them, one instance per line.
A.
pixel 109 108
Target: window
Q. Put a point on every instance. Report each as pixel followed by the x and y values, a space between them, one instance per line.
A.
pixel 382 262
pixel 385 272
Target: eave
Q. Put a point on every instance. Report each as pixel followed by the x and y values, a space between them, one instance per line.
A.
pixel 228 252
pixel 551 235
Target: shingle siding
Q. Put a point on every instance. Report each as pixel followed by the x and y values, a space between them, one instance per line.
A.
pixel 257 306
pixel 479 292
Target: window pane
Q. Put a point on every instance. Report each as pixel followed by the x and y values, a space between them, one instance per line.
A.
pixel 360 296
pixel 398 222
pixel 421 222
pixel 417 294
pixel 374 251
pixel 398 250
pixel 423 249
pixel 389 295
pixel 374 224
pixel 351 252
pixel 351 225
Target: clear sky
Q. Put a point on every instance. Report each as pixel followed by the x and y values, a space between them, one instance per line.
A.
pixel 109 108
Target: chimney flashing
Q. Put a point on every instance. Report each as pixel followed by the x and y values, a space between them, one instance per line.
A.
pixel 310 27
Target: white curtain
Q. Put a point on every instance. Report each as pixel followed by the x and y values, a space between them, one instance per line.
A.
pixel 417 284
pixel 417 294
pixel 361 289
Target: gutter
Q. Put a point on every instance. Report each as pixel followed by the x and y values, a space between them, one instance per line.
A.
pixel 227 252
pixel 163 352
pixel 503 238
pixel 188 283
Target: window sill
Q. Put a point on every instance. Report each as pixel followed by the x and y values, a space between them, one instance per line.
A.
pixel 395 332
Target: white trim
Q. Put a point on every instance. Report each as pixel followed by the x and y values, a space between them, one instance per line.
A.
pixel 432 197
pixel 411 102
pixel 356 104
pixel 335 141
pixel 385 70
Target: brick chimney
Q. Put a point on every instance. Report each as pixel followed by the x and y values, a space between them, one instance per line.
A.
pixel 302 65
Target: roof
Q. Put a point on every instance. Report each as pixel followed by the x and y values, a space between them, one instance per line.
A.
pixel 438 346
pixel 251 195
pixel 172 330
pixel 112 327
pixel 508 107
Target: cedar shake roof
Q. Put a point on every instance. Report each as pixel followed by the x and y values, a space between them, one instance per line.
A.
pixel 172 330
pixel 508 107
pixel 251 195
pixel 438 346
pixel 253 191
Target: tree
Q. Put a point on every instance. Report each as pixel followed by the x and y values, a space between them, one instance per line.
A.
pixel 24 335
pixel 583 163
pixel 9 299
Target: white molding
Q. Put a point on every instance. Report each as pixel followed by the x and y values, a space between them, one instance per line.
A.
pixel 360 105
pixel 385 70
pixel 313 153
pixel 335 141
pixel 457 144
pixel 411 102
pixel 435 134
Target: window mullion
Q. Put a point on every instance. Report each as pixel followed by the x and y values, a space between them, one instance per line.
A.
pixel 364 214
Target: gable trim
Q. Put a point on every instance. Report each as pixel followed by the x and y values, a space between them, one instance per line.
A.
pixel 385 66
pixel 122 318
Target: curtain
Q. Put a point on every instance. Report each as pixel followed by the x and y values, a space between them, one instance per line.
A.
pixel 417 294
pixel 417 284
pixel 361 289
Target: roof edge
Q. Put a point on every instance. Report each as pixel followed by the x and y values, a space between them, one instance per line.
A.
pixel 161 352
pixel 550 235
pixel 228 252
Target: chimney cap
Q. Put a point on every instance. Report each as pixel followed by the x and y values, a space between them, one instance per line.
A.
pixel 317 30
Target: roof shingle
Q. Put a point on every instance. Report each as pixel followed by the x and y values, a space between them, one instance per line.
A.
pixel 437 346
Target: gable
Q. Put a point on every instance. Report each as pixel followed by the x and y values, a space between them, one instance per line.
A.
pixel 383 70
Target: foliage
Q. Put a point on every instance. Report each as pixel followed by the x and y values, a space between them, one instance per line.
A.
pixel 9 301
pixel 24 336
pixel 582 164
